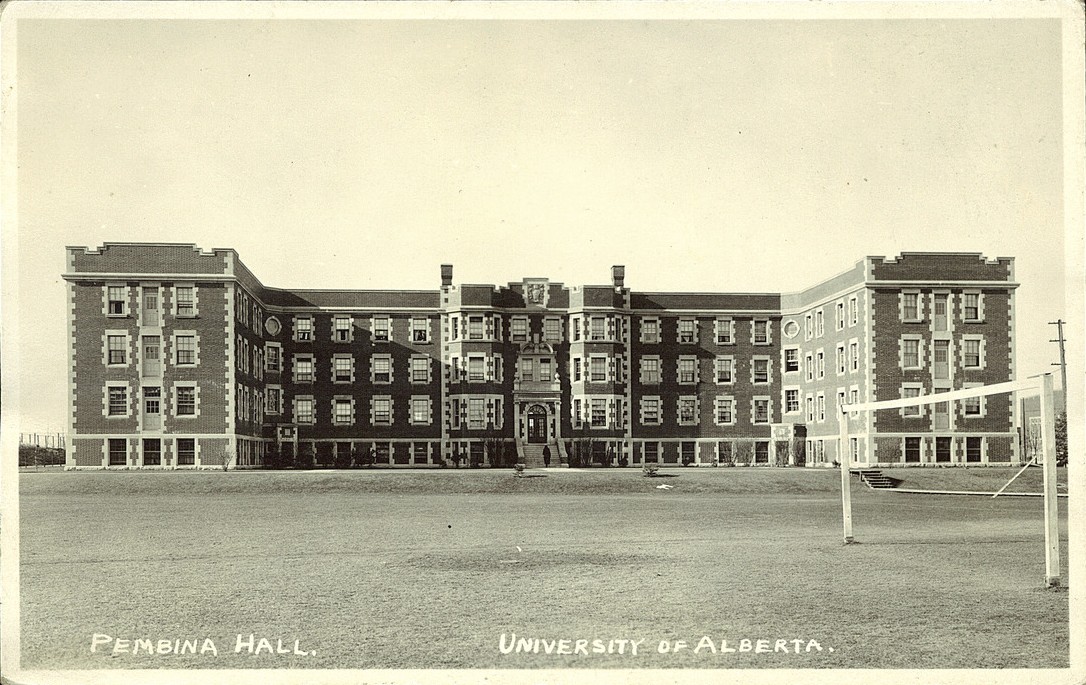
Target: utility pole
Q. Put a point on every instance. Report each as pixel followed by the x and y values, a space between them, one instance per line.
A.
pixel 1058 323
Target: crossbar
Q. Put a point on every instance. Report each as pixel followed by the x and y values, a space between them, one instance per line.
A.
pixel 965 393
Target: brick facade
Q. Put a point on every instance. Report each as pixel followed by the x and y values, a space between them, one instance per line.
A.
pixel 181 356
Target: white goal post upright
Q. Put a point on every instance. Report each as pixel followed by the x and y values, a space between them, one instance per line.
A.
pixel 1038 384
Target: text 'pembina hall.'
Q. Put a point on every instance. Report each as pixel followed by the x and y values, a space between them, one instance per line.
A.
pixel 181 357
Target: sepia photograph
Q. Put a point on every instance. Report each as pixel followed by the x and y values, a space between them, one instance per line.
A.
pixel 542 342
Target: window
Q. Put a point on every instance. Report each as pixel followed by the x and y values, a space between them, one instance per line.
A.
pixel 650 370
pixel 575 366
pixel 303 369
pixel 186 400
pixel 971 306
pixel 343 369
pixel 650 411
pixel 687 370
pixel 820 401
pixel 761 332
pixel 725 370
pixel 342 415
pixel 820 324
pixel 842 362
pixel 686 331
pixel 760 370
pixel 303 328
pixel 688 411
pixel 117 346
pixel 725 331
pixel 810 409
pixel 272 357
pixel 599 412
pixel 687 449
pixel 118 400
pixel 810 367
pixel 577 415
pixel 910 306
pixel 761 410
pixel 117 299
pixel 791 360
pixel 598 327
pixel 552 330
pixel 420 411
pixel 382 411
pixel 475 369
pixel 971 406
pixel 420 370
pixel 725 410
pixel 853 311
pixel 475 328
pixel 650 330
pixel 910 353
pixel 854 355
pixel 761 452
pixel 821 359
pixel 518 329
pixel 576 323
pixel 273 400
pixel 118 452
pixel 912 450
pixel 791 401
pixel 152 452
pixel 839 315
pixel 598 366
pixel 476 412
pixel 454 328
pixel 971 353
pixel 420 330
pixel 854 395
pixel 973 449
pixel 545 373
pixel 808 327
pixel 652 452
pixel 420 452
pixel 380 328
pixel 303 409
pixel 342 331
pixel 186 451
pixel 382 369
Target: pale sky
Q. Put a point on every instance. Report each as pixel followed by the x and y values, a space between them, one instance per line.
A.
pixel 706 156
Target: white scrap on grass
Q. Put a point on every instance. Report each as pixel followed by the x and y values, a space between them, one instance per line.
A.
pixel 519 549
pixel 664 487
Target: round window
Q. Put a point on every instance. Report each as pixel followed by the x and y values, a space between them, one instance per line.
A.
pixel 791 329
pixel 272 326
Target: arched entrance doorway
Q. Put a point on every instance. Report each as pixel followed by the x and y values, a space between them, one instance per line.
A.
pixel 537 425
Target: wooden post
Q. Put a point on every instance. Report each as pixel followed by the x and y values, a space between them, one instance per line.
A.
pixel 1051 501
pixel 844 458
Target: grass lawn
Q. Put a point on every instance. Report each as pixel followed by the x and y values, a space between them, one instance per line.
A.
pixel 405 569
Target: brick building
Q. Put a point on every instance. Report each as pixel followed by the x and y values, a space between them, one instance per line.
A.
pixel 180 356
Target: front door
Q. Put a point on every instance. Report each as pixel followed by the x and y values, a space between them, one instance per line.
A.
pixel 537 425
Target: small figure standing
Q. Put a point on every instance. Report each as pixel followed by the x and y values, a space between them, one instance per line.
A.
pixel 546 455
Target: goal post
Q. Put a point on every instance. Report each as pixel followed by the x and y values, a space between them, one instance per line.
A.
pixel 1041 385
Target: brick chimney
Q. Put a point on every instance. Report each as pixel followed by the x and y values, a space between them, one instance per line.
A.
pixel 618 275
pixel 446 274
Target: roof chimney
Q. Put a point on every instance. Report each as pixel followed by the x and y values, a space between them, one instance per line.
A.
pixel 618 275
pixel 446 274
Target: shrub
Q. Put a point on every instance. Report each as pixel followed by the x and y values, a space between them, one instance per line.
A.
pixel 227 459
pixel 520 470
pixel 343 459
pixel 650 470
pixel 623 460
pixel 1061 439
pixel 305 457
pixel 324 456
